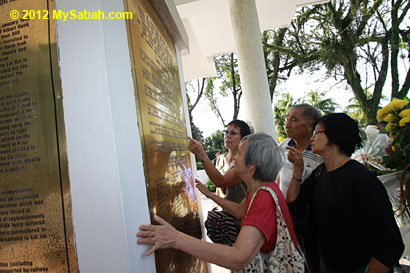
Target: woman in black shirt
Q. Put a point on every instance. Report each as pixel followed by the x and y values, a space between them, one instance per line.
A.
pixel 350 217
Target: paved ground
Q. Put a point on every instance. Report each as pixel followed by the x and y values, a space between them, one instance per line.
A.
pixel 208 205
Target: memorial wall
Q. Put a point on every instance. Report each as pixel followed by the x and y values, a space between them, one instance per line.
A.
pixel 36 233
pixel 162 125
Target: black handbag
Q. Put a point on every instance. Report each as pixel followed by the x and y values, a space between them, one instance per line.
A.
pixel 221 227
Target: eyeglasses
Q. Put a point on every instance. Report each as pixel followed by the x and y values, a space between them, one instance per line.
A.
pixel 315 132
pixel 232 133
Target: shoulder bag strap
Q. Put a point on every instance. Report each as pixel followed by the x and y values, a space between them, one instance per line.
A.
pixel 275 198
pixel 278 208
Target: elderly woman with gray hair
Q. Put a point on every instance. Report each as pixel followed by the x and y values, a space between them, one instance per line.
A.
pixel 266 242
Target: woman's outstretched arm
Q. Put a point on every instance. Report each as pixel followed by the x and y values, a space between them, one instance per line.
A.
pixel 249 241
pixel 235 209
pixel 227 180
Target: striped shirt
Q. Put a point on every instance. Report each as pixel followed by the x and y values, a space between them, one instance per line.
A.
pixel 310 162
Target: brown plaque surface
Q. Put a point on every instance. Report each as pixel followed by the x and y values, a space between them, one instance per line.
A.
pixel 35 209
pixel 169 179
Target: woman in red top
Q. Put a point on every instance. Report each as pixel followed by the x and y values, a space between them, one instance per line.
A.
pixel 258 162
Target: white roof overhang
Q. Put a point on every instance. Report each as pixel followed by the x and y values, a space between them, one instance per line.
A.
pixel 208 29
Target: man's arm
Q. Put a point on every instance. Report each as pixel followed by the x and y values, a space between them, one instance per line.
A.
pixel 296 158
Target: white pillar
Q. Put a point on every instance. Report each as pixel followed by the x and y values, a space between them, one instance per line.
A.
pixel 254 81
pixel 107 180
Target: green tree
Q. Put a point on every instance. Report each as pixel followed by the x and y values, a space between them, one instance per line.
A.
pixel 360 42
pixel 199 90
pixel 280 110
pixel 355 111
pixel 275 62
pixel 196 132
pixel 317 99
pixel 214 143
pixel 228 75
pixel 212 101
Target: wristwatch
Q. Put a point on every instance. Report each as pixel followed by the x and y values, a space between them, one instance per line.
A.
pixel 205 159
pixel 297 179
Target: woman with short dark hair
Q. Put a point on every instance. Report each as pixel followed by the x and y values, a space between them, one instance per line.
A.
pixel 342 131
pixel 349 214
pixel 221 173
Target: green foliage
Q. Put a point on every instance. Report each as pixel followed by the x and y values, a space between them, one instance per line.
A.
pixel 354 110
pixel 317 99
pixel 196 132
pixel 228 71
pixel 211 186
pixel 228 75
pixel 214 143
pixel 280 110
pixel 359 42
pixel 189 86
pixel 212 101
pixel 277 63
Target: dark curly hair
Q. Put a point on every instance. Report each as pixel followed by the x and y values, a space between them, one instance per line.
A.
pixel 342 131
pixel 242 126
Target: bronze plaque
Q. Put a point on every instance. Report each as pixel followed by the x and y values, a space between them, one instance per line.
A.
pixel 36 233
pixel 169 179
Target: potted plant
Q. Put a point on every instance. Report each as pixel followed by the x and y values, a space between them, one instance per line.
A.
pixel 387 152
pixel 395 117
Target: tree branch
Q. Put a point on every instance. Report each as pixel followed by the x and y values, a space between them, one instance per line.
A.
pixel 404 12
pixel 199 94
pixel 278 40
pixel 405 87
pixel 367 16
pixel 394 41
pixel 378 87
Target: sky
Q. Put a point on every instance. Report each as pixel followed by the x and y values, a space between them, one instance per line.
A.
pixel 297 85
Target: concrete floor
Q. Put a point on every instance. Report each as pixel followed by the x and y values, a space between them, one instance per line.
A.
pixel 208 205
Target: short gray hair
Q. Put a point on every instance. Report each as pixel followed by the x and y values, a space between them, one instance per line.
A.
pixel 308 111
pixel 264 153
